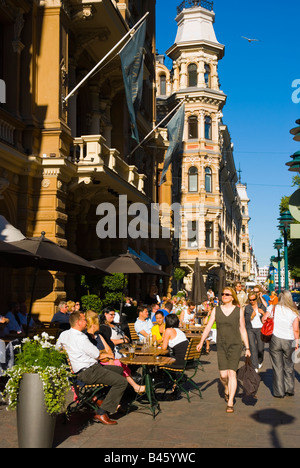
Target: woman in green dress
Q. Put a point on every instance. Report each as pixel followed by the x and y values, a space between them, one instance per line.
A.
pixel 231 334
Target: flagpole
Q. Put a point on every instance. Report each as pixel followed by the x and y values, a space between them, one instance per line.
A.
pixel 104 58
pixel 153 130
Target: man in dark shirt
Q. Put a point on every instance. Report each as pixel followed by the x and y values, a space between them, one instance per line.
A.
pixel 62 316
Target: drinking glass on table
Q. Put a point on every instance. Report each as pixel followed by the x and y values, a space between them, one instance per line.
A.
pixel 131 351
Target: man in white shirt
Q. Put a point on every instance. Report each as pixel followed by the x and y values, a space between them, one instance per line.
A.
pixel 84 357
pixel 143 325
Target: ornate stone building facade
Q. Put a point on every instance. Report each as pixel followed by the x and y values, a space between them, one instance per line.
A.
pixel 204 179
pixel 58 159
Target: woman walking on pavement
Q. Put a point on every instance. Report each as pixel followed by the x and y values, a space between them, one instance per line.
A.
pixel 231 331
pixel 285 333
pixel 254 311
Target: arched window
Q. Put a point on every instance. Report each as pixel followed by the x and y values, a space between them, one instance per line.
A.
pixel 193 179
pixel 208 180
pixel 207 75
pixel 207 129
pixel 193 127
pixel 192 75
pixel 163 85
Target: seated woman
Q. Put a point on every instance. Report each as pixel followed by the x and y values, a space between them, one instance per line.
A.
pixel 107 356
pixel 158 329
pixel 188 315
pixel 175 339
pixel 111 332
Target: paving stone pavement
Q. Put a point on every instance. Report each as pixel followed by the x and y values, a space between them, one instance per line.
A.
pixel 265 422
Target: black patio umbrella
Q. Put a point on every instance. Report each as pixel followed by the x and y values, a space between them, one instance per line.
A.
pixel 56 258
pixel 219 277
pixel 52 256
pixel 128 264
pixel 14 257
pixel 199 293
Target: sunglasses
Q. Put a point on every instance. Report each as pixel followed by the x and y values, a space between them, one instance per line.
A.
pixel 226 294
pixel 252 300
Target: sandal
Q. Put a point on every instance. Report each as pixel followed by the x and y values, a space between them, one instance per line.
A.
pixel 230 409
pixel 226 397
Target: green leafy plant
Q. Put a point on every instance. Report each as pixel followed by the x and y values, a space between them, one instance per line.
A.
pixel 91 302
pixel 39 356
pixel 179 274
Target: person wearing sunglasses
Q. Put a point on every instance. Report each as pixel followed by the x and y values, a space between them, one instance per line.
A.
pixel 231 333
pixel 254 311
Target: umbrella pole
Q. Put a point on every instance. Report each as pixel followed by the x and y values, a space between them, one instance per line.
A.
pixel 31 301
pixel 123 293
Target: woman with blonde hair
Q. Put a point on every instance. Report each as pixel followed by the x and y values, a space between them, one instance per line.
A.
pixel 107 356
pixel 285 337
pixel 231 331
pixel 71 306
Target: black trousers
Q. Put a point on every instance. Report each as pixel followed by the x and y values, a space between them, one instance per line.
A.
pixel 257 346
pixel 107 375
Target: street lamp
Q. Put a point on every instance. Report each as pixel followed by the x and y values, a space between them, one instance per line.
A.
pixel 278 244
pixel 272 274
pixel 285 220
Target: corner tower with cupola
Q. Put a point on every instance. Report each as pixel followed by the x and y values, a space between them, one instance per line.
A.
pixel 211 214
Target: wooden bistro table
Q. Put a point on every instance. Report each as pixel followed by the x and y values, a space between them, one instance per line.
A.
pixel 193 331
pixel 147 363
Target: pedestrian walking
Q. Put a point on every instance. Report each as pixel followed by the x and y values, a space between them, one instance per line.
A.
pixel 231 332
pixel 254 311
pixel 285 337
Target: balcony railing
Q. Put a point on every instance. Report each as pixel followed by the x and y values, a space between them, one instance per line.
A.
pixel 195 3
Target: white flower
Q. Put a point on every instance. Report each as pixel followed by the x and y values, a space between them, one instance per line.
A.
pixel 36 338
pixel 45 336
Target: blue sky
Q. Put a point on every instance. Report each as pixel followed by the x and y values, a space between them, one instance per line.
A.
pixel 259 112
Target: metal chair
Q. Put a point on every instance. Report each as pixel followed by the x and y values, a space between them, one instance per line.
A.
pixel 86 395
pixel 179 377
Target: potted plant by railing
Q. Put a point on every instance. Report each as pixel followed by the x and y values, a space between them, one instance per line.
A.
pixel 37 387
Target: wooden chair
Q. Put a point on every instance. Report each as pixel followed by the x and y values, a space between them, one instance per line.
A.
pixel 86 395
pixel 179 377
pixel 133 333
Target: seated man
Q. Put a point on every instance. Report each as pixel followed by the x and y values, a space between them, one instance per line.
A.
pixel 62 316
pixel 143 324
pixel 84 358
pixel 23 317
pixel 13 326
pixel 167 309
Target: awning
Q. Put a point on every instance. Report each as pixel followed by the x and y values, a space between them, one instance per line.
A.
pixel 144 257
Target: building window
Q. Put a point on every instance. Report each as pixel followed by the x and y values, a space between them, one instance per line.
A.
pixel 207 128
pixel 209 235
pixel 192 227
pixel 244 267
pixel 193 128
pixel 207 76
pixel 163 85
pixel 208 180
pixel 244 247
pixel 192 75
pixel 193 179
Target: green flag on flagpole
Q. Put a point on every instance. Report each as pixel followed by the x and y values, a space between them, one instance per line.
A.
pixel 132 60
pixel 175 134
